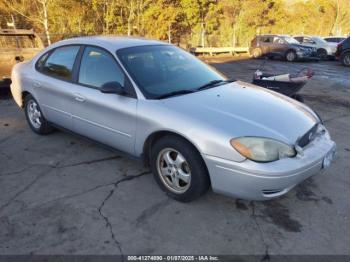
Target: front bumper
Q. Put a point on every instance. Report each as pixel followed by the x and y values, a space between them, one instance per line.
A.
pixel 263 181
pixel 302 55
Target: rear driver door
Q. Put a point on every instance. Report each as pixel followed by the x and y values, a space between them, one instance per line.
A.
pixel 53 84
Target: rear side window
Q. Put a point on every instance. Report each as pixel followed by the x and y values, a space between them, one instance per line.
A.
pixel 99 67
pixel 60 63
pixel 266 39
pixel 41 62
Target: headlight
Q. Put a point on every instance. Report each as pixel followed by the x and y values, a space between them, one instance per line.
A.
pixel 262 149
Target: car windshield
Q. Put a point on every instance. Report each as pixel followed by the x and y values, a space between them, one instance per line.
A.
pixel 290 40
pixel 164 69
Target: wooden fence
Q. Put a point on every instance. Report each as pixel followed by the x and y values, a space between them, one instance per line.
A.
pixel 219 50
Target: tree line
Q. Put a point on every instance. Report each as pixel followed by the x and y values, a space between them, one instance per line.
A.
pixel 185 22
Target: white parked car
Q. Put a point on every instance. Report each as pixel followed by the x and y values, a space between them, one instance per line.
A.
pixel 324 49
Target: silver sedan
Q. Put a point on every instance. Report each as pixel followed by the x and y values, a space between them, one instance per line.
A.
pixel 191 125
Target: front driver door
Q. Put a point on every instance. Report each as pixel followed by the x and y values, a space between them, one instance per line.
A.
pixel 107 118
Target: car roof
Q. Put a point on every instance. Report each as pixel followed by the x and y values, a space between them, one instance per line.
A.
pixel 113 43
pixel 311 36
pixel 272 35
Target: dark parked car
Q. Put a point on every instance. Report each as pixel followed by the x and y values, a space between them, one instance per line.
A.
pixel 282 46
pixel 334 39
pixel 16 45
pixel 343 52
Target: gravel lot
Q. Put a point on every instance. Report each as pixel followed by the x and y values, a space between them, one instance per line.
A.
pixel 60 194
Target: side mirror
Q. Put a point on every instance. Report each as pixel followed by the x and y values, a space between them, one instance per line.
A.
pixel 112 88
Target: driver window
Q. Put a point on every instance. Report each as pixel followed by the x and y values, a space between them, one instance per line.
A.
pixel 278 40
pixel 99 67
pixel 308 40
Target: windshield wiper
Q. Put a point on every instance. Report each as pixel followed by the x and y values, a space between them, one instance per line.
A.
pixel 176 93
pixel 189 91
pixel 214 83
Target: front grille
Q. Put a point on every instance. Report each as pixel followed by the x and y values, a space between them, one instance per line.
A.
pixel 308 137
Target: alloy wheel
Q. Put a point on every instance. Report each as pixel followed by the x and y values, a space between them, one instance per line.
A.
pixel 34 114
pixel 174 170
pixel 346 60
pixel 291 56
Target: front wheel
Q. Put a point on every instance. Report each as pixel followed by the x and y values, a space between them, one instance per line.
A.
pixel 345 59
pixel 34 116
pixel 322 53
pixel 179 169
pixel 291 56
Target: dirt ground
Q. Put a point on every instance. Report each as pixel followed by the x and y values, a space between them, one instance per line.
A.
pixel 60 194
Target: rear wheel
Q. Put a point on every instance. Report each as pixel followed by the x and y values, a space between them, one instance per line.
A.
pixel 179 169
pixel 291 56
pixel 256 53
pixel 345 59
pixel 34 116
pixel 322 53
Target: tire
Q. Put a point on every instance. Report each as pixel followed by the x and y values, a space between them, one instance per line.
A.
pixel 322 53
pixel 173 159
pixel 345 59
pixel 256 53
pixel 35 118
pixel 291 56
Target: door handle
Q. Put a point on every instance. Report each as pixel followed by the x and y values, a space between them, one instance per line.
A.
pixel 36 84
pixel 79 98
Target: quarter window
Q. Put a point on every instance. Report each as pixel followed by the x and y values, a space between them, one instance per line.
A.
pixel 99 67
pixel 60 63
pixel 41 62
pixel 299 39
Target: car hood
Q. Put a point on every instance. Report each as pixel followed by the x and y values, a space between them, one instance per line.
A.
pixel 241 109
